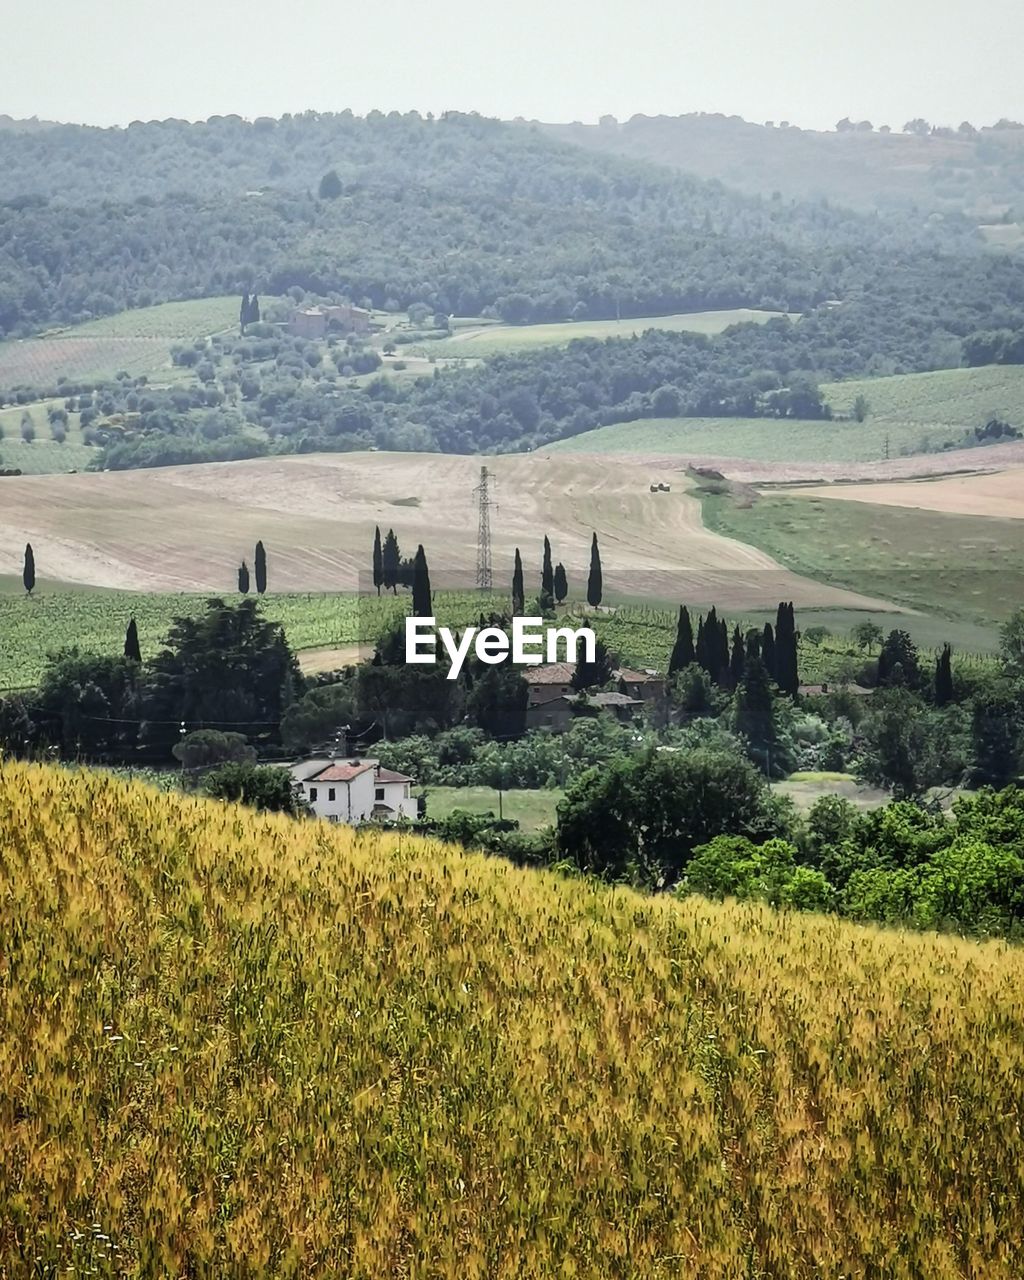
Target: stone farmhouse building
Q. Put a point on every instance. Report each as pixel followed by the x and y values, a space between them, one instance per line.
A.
pixel 354 790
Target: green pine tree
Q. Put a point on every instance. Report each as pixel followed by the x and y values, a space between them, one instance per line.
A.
pixel 595 585
pixel 683 652
pixel 131 642
pixel 243 579
pixel 378 560
pixel 518 588
pixel 944 677
pixel 561 583
pixel 260 568
pixel 547 578
pixel 28 573
pixel 391 562
pixel 421 599
pixel 754 715
pixel 737 657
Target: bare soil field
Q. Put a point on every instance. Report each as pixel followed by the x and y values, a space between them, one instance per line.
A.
pixel 992 458
pixel 999 494
pixel 187 528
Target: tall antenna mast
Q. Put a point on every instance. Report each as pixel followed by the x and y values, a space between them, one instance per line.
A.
pixel 483 537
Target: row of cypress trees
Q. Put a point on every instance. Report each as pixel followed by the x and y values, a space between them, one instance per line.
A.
pixel 554 582
pixel 390 572
pixel 725 661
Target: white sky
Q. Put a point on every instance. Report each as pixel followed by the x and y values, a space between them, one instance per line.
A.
pixel 807 61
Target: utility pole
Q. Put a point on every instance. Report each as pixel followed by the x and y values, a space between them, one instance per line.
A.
pixel 483 537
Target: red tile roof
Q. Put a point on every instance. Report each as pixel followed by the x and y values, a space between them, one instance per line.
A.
pixel 389 775
pixel 342 772
pixel 554 673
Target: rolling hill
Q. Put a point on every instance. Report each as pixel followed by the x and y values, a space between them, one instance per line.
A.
pixel 230 1035
pixel 187 528
pixel 908 414
pixel 979 172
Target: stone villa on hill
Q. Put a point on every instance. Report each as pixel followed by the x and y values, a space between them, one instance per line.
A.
pixel 317 322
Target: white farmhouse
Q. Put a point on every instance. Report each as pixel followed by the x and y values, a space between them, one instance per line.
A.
pixel 354 790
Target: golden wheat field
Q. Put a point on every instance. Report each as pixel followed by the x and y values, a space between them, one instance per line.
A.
pixel 233 1045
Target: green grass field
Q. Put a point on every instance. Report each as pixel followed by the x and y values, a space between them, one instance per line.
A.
pixel 910 413
pixel 950 398
pixel 531 809
pixel 136 342
pixel 968 569
pixel 497 339
pixel 759 439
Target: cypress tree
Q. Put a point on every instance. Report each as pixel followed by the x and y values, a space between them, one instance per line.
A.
pixel 722 652
pixel 243 578
pixel 595 585
pixel 755 714
pixel 131 642
pixel 28 573
pixel 701 647
pixel 260 568
pixel 421 602
pixel 378 560
pixel 243 312
pixel 561 583
pixel 391 562
pixel 768 649
pixel 254 309
pixel 518 589
pixel 547 578
pixel 786 674
pixel 738 657
pixel 944 677
pixel 683 652
pixel 752 643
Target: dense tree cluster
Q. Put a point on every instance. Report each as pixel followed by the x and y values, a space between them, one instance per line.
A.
pixel 296 401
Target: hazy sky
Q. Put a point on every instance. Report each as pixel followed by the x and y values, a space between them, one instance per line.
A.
pixel 808 61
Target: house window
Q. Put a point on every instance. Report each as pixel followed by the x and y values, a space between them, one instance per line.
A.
pixel 330 793
pixel 380 793
pixel 312 793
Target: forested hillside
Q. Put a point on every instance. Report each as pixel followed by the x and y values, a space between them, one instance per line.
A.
pixel 463 214
pixel 976 170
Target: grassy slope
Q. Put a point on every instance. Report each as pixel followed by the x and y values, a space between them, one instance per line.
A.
pixel 228 1035
pixel 913 411
pixel 531 809
pixel 495 339
pixel 966 568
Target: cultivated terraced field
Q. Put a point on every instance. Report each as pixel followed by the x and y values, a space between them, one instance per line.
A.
pixel 135 342
pixel 328 631
pixel 187 528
